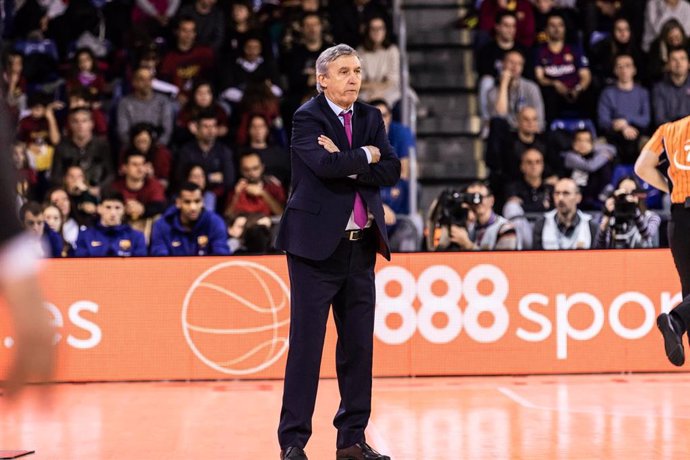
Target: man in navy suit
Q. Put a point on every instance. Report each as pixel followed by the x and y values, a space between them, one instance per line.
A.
pixel 331 229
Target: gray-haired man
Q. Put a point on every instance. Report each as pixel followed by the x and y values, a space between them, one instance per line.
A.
pixel 331 229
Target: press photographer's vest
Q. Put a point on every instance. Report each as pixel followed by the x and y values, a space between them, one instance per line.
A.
pixel 552 238
pixel 487 237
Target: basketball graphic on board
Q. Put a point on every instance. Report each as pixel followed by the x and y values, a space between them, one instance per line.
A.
pixel 235 317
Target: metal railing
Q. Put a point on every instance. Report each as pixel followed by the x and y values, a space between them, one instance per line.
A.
pixel 408 105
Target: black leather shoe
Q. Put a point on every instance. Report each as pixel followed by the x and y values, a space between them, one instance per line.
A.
pixel 293 453
pixel 360 451
pixel 673 340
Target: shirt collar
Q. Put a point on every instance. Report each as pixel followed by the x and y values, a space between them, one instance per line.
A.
pixel 565 229
pixel 335 108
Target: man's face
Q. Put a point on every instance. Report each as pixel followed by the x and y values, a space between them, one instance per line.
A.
pixel 252 50
pixel 111 212
pixel 186 34
pixel 484 208
pixel 506 29
pixel 33 223
pixel 207 130
pixel 532 164
pixel 312 28
pixel 74 179
pixel 135 168
pixel 555 29
pixel 514 63
pixel 624 69
pixel 190 205
pixel 251 168
pixel 565 196
pixel 528 123
pixel 342 80
pixel 678 63
pixel 386 114
pixel 142 80
pixel 81 124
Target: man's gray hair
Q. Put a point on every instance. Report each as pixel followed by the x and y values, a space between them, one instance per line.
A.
pixel 329 55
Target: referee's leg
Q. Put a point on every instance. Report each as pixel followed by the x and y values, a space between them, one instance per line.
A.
pixel 674 324
pixel 679 240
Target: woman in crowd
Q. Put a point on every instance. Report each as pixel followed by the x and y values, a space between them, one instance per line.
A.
pixel 380 64
pixel 143 138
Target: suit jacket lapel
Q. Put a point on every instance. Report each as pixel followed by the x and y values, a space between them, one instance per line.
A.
pixel 336 124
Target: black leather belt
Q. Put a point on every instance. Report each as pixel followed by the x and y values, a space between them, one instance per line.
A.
pixel 354 235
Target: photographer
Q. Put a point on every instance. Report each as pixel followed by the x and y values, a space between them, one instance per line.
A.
pixel 470 223
pixel 625 222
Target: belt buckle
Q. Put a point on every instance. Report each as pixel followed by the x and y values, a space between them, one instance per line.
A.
pixel 354 235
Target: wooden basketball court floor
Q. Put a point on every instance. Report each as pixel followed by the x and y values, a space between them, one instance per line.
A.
pixel 644 416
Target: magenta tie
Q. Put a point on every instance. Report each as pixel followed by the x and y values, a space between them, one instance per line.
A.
pixel 359 210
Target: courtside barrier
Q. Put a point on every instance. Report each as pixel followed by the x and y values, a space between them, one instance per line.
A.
pixel 437 314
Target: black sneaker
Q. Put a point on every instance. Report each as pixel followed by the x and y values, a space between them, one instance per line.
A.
pixel 673 341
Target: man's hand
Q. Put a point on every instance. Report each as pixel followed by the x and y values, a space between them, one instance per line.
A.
pixel 240 186
pixel 134 209
pixel 388 215
pixel 255 189
pixel 630 133
pixel 375 153
pixel 328 144
pixel 619 124
pixel 560 88
pixel 459 236
pixel 215 178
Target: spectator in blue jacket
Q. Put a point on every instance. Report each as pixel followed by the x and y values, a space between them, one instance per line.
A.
pixel 48 243
pixel 110 236
pixel 187 229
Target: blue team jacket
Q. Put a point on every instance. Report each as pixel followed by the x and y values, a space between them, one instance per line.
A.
pixel 118 241
pixel 170 238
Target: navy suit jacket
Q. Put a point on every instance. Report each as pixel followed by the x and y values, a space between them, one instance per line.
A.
pixel 323 195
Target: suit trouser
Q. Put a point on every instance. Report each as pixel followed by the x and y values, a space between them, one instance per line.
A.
pixel 345 280
pixel 679 240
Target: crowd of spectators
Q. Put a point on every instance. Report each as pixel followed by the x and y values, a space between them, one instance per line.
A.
pixel 569 92
pixel 161 127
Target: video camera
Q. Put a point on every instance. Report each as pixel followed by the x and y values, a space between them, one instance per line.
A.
pixel 453 207
pixel 623 219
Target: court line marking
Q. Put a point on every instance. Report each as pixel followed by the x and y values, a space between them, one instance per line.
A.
pixel 530 405
pixel 378 441
pixel 518 399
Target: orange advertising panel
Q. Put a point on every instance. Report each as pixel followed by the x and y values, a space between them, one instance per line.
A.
pixel 437 314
